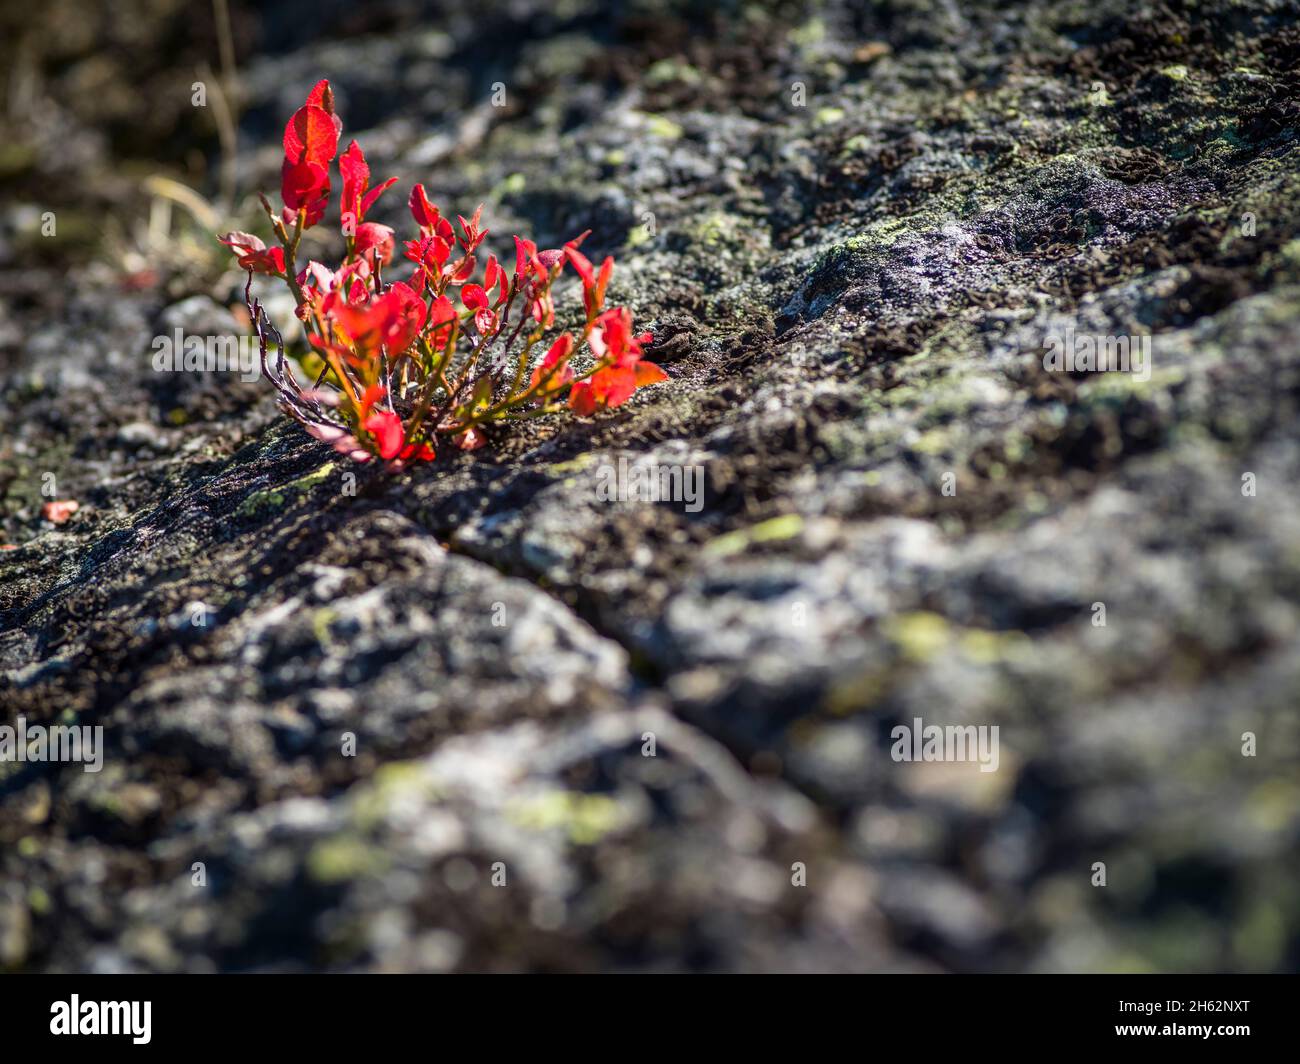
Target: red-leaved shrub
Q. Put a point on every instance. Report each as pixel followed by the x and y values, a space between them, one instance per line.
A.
pixel 443 352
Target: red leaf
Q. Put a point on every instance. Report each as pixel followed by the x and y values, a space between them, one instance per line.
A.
pixel 602 281
pixel 473 234
pixel 582 264
pixel 441 314
pixel 387 430
pixel 554 369
pixel 58 511
pixel 581 400
pixel 525 255
pixel 372 395
pixel 559 352
pixel 429 252
pixel 242 243
pixel 253 254
pixel 311 136
pixel 270 262
pixel 368 200
pixel 305 184
pixel 494 275
pixel 464 272
pixel 379 237
pixel 356 179
pixel 649 373
pixel 614 386
pixel 470 440
pixel 322 96
pixel 424 212
pixel 406 316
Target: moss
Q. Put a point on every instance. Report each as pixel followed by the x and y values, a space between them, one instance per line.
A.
pixel 1017 447
pixel 389 783
pixel 586 818
pixel 274 498
pixel 320 624
pixel 23 489
pixel 855 145
pixel 810 33
pixel 672 70
pixel 1259 941
pixel 858 692
pixel 984 646
pixel 513 185
pixel 935 442
pixel 664 128
pixel 574 465
pixel 787 526
pixel 306 483
pixel 16 158
pixel 919 635
pixel 886 231
pixel 638 235
pixel 345 858
pixel 720 229
pixel 106 802
pixel 1179 942
pixel 1105 388
pixel 260 500
pixel 1271 806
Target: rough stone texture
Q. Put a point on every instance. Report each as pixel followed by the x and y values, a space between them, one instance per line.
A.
pixel 852 298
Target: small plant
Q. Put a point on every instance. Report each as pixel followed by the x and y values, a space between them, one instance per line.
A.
pixel 439 354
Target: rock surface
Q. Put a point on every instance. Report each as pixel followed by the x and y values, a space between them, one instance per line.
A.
pixel 852 234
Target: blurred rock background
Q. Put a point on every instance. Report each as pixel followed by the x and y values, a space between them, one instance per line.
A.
pixel 851 228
